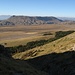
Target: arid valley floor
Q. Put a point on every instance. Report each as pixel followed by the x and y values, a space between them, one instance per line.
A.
pixel 12 34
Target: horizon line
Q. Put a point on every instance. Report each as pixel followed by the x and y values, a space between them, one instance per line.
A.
pixel 39 16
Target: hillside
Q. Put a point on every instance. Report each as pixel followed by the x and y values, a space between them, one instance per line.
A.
pixel 49 57
pixel 55 58
pixel 10 66
pixel 59 46
pixel 28 20
pixel 6 23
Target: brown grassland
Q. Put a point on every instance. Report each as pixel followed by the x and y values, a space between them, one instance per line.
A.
pixel 19 35
pixel 53 56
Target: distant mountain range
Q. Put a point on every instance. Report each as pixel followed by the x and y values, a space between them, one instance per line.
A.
pixel 28 20
pixel 3 17
pixel 6 20
pixel 67 18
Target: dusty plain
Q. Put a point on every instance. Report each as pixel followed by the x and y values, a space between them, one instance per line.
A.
pixel 19 35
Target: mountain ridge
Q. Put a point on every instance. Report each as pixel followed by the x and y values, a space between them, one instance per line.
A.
pixel 29 20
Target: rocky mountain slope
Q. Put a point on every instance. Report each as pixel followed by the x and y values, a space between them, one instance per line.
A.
pixel 27 20
pixel 6 23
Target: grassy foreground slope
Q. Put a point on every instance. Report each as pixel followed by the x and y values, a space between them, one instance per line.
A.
pixel 54 58
pixel 59 46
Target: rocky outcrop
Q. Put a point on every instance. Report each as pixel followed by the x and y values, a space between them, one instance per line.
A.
pixel 6 23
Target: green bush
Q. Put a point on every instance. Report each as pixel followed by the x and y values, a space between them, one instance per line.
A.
pixel 60 34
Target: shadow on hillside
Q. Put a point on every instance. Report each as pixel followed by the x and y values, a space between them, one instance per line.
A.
pixel 11 66
pixel 55 63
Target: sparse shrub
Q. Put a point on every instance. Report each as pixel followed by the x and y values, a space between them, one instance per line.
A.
pixel 54 45
pixel 47 34
pixel 5 43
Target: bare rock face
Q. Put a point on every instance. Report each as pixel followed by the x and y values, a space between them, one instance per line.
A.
pixel 6 23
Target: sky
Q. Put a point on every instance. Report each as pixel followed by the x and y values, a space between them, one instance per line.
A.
pixel 57 8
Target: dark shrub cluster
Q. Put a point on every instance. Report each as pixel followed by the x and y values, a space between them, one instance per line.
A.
pixel 47 34
pixel 4 51
pixel 34 44
pixel 60 34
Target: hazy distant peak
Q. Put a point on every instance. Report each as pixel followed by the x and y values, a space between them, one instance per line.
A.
pixel 67 18
pixel 3 17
